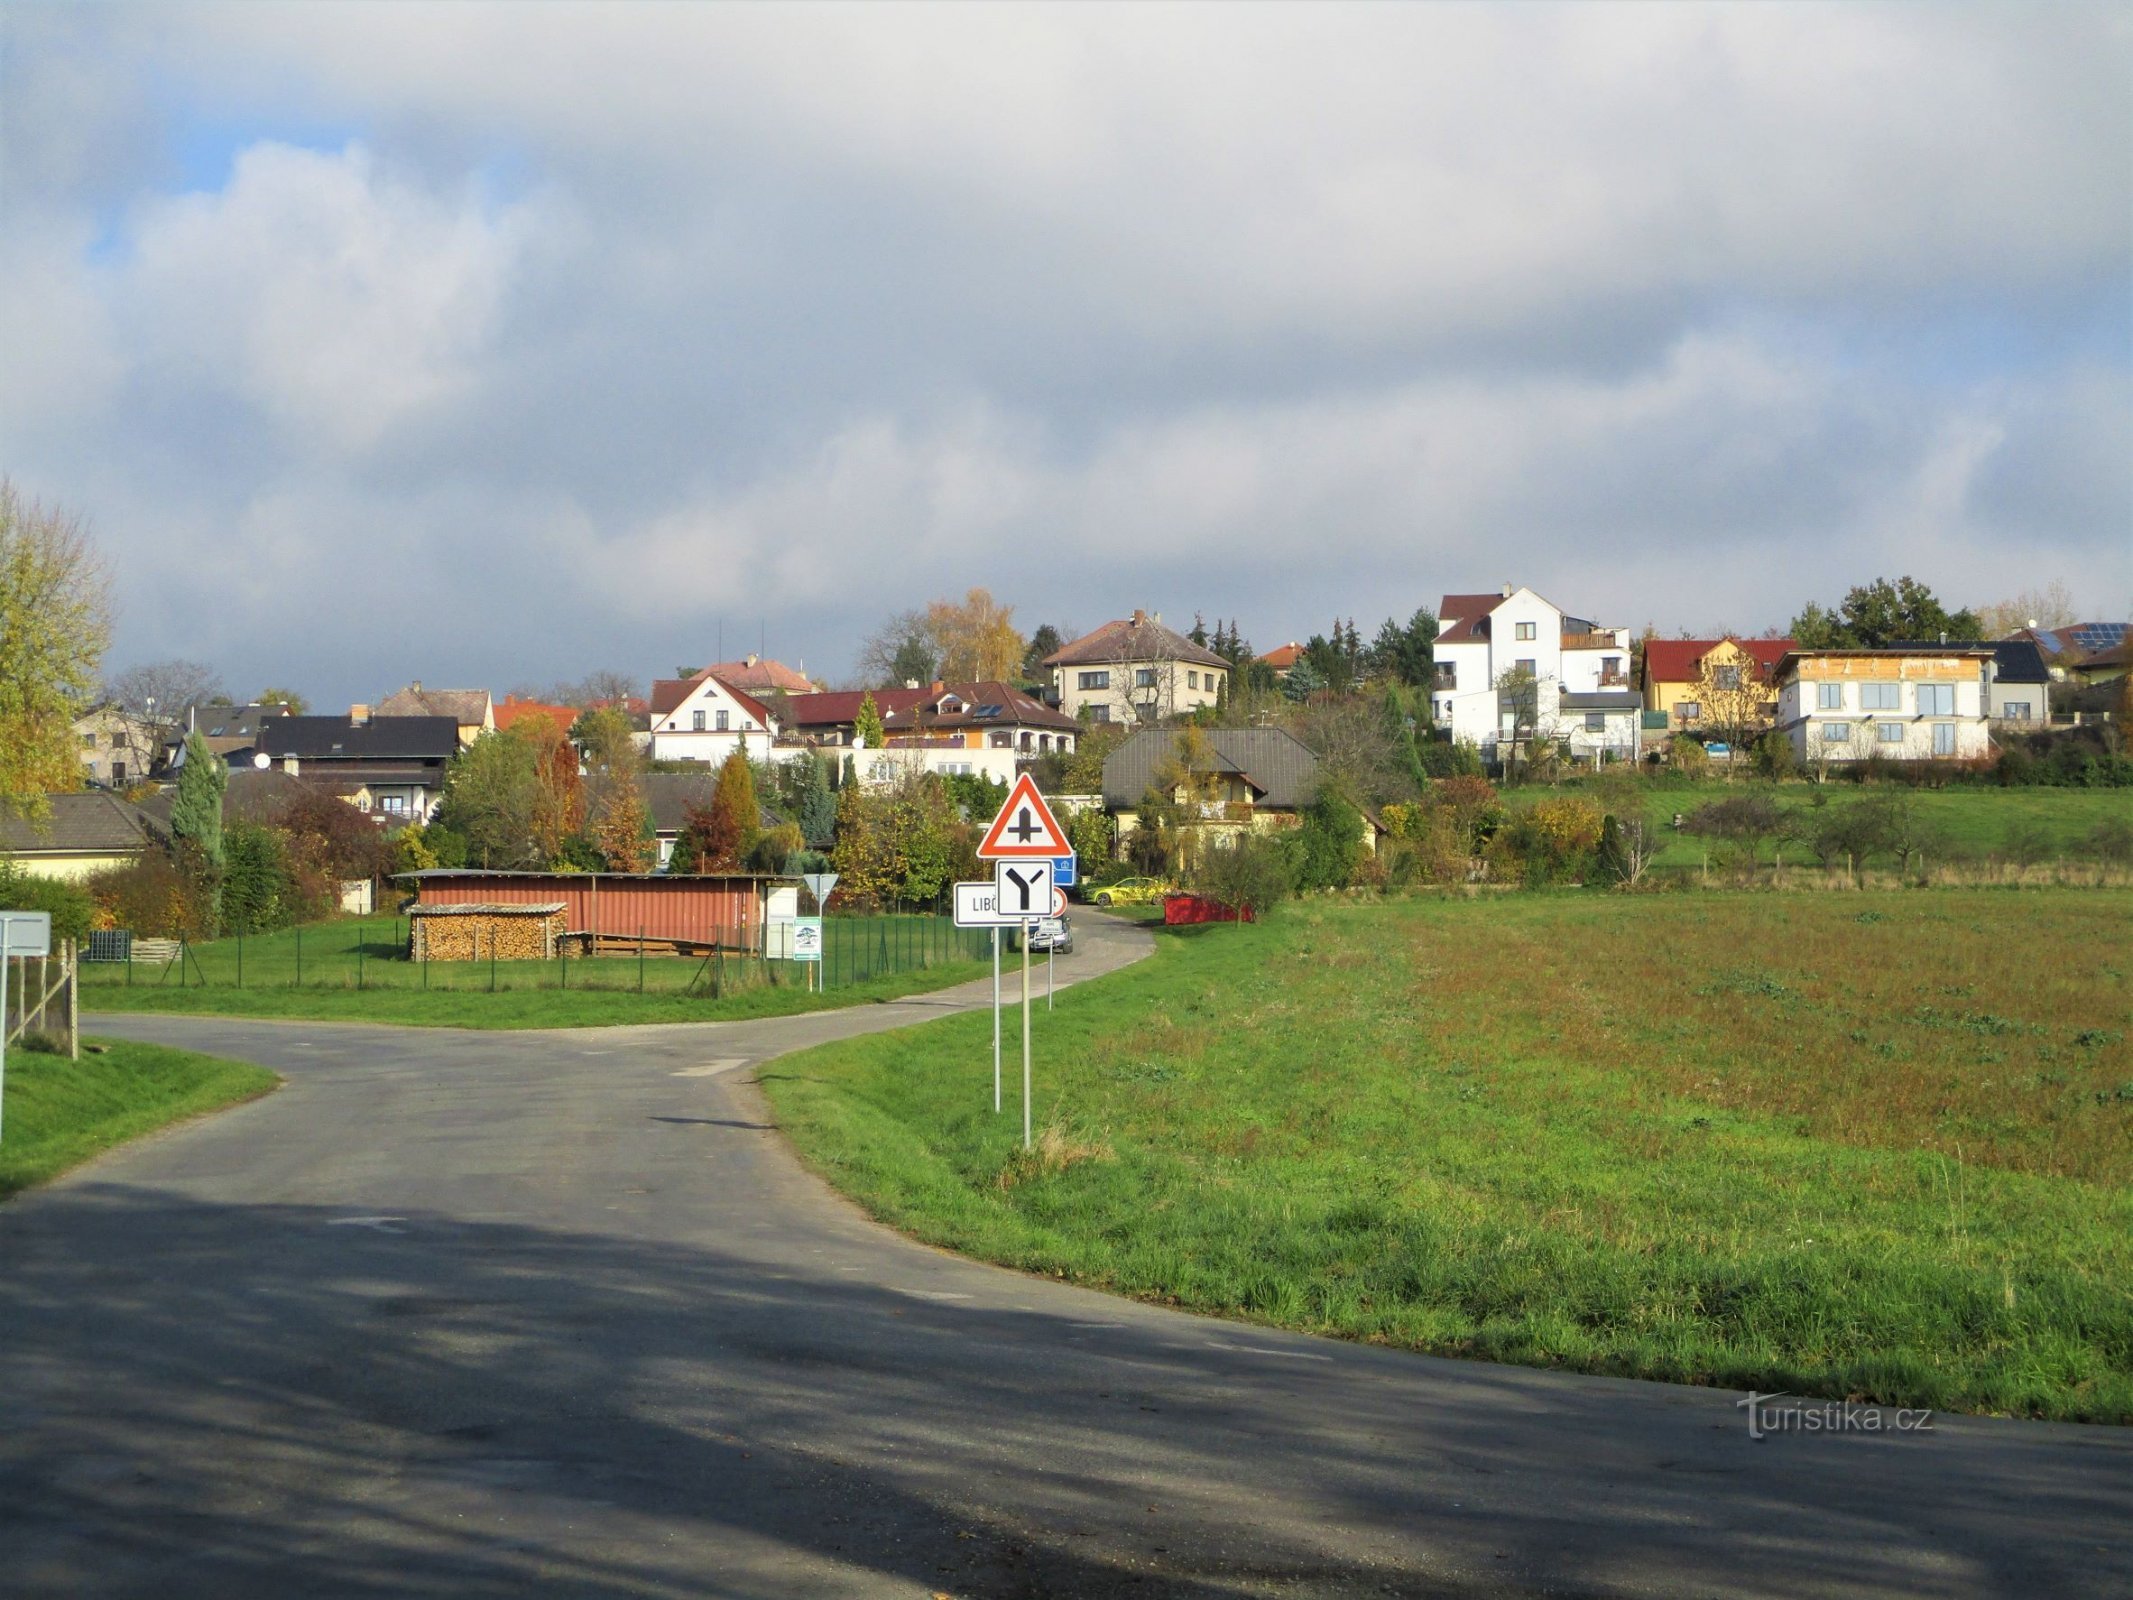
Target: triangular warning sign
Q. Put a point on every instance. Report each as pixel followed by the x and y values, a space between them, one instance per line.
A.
pixel 1024 827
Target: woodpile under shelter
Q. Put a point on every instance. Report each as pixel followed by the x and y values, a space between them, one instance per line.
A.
pixel 496 931
pixel 682 914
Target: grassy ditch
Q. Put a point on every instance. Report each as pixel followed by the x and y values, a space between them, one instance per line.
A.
pixel 1876 1145
pixel 60 1112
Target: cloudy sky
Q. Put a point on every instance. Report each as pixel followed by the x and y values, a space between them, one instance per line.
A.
pixel 495 345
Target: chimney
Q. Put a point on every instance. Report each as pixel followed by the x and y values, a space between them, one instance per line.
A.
pixel 1139 616
pixel 359 715
pixel 753 658
pixel 1508 590
pixel 939 687
pixel 416 686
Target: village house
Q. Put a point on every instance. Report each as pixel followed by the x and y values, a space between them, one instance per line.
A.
pixel 472 711
pixel 117 747
pixel 831 717
pixel 392 767
pixel 1243 779
pixel 990 716
pixel 1513 669
pixel 1673 677
pixel 1135 670
pixel 1918 702
pixel 704 718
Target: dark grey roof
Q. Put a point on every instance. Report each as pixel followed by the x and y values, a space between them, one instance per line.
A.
pixel 379 739
pixel 226 722
pixel 83 822
pixel 1602 700
pixel 2013 660
pixel 253 795
pixel 1278 765
pixel 668 796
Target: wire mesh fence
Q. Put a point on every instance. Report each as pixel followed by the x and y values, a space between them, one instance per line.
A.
pixel 373 953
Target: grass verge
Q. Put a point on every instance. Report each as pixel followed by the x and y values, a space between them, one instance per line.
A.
pixel 521 1007
pixel 61 1112
pixel 1877 1145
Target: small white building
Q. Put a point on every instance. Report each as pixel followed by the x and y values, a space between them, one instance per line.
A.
pixel 949 756
pixel 1513 666
pixel 1915 702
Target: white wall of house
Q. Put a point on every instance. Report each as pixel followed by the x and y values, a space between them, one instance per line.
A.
pixel 1114 690
pixel 885 767
pixel 708 726
pixel 1840 710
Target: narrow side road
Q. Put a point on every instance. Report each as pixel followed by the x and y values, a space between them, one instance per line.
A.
pixel 481 1314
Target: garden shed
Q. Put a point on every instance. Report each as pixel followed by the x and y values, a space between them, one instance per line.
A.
pixel 683 914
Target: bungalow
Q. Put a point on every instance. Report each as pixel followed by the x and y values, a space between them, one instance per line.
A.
pixel 1918 702
pixel 84 832
pixel 391 766
pixel 1135 670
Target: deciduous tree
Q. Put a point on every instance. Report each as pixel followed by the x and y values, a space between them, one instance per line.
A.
pixel 976 638
pixel 55 620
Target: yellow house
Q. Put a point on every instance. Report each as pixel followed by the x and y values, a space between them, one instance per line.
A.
pixel 1673 675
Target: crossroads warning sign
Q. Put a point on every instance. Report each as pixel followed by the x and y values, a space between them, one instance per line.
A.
pixel 1025 827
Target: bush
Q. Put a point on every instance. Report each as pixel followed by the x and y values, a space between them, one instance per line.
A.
pixel 147 896
pixel 1251 874
pixel 72 908
pixel 2112 841
pixel 257 892
pixel 1326 847
pixel 1552 841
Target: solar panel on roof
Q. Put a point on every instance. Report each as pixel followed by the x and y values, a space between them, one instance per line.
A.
pixel 986 711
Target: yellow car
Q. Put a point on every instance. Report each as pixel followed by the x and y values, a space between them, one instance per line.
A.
pixel 1131 892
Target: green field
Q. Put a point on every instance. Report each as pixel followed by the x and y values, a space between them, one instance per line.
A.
pixel 62 1112
pixel 1970 824
pixel 355 970
pixel 1875 1144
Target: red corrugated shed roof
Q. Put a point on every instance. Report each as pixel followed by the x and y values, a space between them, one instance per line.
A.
pixel 1678 660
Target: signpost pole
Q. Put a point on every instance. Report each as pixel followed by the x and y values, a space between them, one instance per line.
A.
pixel 1051 954
pixel 995 1018
pixel 5 941
pixel 1025 1036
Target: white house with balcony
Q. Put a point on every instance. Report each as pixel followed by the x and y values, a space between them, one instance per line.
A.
pixel 1912 702
pixel 1513 667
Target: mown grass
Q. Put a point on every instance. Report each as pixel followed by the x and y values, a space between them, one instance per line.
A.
pixel 355 971
pixel 60 1112
pixel 1876 1145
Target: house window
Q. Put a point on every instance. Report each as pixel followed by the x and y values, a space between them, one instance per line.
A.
pixel 1936 700
pixel 1880 697
pixel 1727 678
pixel 1099 713
pixel 1095 680
pixel 1001 741
pixel 1595 722
pixel 1836 733
pixel 1888 732
pixel 1610 669
pixel 2015 710
pixel 118 772
pixel 88 741
pixel 393 805
pixel 1687 710
pixel 1144 677
pixel 722 721
pixel 1447 674
pixel 696 722
pixel 1829 697
pixel 1527 665
pixel 1192 680
pixel 1944 738
pixel 1526 630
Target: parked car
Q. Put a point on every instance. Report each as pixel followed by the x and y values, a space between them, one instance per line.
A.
pixel 1131 892
pixel 1053 934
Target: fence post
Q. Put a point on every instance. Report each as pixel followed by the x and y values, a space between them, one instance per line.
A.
pixel 492 961
pixel 640 958
pixel 73 966
pixel 299 956
pixel 359 954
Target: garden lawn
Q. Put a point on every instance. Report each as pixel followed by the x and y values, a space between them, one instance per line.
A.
pixel 1875 1145
pixel 60 1113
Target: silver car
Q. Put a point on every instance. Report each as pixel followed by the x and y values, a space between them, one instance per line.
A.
pixel 1052 934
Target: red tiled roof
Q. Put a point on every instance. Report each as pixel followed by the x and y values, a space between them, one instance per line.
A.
pixel 1136 638
pixel 510 710
pixel 1461 617
pixel 832 708
pixel 1016 709
pixel 1678 660
pixel 760 675
pixel 1283 656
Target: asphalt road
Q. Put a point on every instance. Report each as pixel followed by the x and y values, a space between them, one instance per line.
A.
pixel 495 1314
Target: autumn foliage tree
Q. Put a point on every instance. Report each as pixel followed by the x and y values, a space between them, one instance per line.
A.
pixel 55 619
pixel 976 638
pixel 718 837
